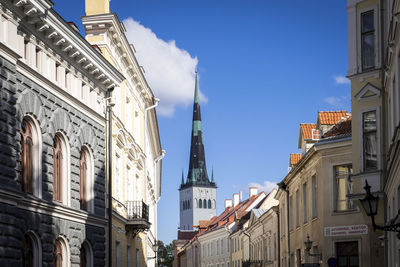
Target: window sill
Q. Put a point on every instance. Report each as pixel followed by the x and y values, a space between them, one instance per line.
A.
pixel 345 212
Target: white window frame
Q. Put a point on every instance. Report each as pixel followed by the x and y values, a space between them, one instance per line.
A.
pixel 373 8
pixel 378 134
pixel 66 169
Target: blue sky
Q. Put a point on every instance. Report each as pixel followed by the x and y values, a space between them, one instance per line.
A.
pixel 264 67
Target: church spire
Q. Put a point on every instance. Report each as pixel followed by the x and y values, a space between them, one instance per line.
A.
pixel 197 174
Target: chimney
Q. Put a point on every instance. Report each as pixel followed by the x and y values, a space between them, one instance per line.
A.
pixel 228 203
pixel 235 199
pixel 240 196
pixel 253 191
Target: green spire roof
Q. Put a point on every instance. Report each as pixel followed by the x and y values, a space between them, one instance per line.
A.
pixel 197 173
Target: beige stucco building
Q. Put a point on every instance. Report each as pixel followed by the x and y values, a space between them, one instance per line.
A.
pixel 136 148
pixel 314 203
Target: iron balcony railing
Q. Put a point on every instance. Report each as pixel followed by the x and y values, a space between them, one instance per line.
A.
pixel 137 210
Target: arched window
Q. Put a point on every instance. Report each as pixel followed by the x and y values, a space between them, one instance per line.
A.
pixel 61 183
pixel 58 157
pixel 27 252
pixel 200 203
pixel 27 156
pixel 204 203
pixel 189 204
pixel 83 179
pixel 61 253
pixel 209 203
pixel 58 255
pixel 31 178
pixel 31 250
pixel 86 180
pixel 86 255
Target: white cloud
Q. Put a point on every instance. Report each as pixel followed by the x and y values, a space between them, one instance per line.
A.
pixel 266 187
pixel 341 79
pixel 170 70
pixel 336 101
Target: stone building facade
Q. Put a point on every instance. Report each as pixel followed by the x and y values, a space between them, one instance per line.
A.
pixel 52 178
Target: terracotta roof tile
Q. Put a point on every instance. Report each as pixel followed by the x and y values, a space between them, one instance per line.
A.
pixel 186 235
pixel 229 214
pixel 331 117
pixel 294 158
pixel 307 128
pixel 342 128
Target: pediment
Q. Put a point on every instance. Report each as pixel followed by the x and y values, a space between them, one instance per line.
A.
pixel 368 92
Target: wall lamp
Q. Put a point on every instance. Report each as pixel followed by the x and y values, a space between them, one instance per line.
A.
pixel 308 244
pixel 370 206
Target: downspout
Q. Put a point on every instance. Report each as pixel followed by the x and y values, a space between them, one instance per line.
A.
pixel 276 210
pixel 109 172
pixel 284 188
pixel 248 235
pixel 383 119
pixel 156 100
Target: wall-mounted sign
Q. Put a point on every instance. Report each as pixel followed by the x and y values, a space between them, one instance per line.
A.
pixel 360 229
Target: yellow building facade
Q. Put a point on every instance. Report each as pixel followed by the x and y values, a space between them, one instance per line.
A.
pixel 136 147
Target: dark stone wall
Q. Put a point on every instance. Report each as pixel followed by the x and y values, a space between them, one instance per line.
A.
pixel 19 96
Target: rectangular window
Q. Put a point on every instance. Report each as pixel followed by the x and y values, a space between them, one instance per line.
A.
pixel 283 220
pixel 314 196
pixel 117 254
pixel 37 55
pixel 370 144
pixel 367 40
pixel 290 209
pixel 128 256
pixel 347 253
pixel 342 188
pixel 297 208
pixel 137 258
pixel 305 203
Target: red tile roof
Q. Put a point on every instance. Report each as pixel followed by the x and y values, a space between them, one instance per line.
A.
pixel 331 117
pixel 230 214
pixel 342 128
pixel 294 158
pixel 186 235
pixel 307 128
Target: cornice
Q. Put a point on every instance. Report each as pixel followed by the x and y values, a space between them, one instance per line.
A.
pixel 110 24
pixel 50 27
pixel 36 205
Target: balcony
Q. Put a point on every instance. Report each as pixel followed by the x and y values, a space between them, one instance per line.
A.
pixel 137 215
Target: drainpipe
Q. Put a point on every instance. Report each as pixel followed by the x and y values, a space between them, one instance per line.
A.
pixel 156 100
pixel 276 210
pixel 383 120
pixel 109 172
pixel 248 235
pixel 285 188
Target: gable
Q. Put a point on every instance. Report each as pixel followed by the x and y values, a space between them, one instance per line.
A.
pixel 368 92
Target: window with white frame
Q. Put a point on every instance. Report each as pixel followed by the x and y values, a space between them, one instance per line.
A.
pixel 370 143
pixel 367 40
pixel 305 203
pixel 297 208
pixel 61 182
pixel 342 187
pixel 31 178
pixel 118 176
pixel 314 196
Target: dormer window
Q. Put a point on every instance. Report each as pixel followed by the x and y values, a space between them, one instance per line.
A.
pixel 367 40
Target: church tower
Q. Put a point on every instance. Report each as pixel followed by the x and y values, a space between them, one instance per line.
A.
pixel 197 195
